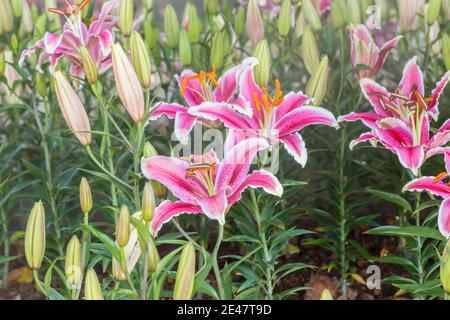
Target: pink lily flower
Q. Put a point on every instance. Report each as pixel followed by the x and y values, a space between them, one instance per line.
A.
pixel 196 89
pixel 205 185
pixel 97 38
pixel 276 119
pixel 436 186
pixel 401 121
pixel 364 51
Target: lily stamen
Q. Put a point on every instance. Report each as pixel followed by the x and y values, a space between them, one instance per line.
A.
pixel 201 76
pixel 441 176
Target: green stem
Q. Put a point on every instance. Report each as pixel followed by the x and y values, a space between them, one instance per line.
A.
pixel 145 273
pixel 342 218
pixel 125 269
pixel 419 267
pixel 39 283
pixel 136 163
pixel 262 236
pixel 4 223
pixel 216 264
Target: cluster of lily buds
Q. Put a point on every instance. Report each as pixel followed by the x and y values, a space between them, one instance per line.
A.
pixel 35 236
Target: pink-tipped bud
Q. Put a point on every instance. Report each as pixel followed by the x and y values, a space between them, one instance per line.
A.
pixel 72 109
pixel 255 25
pixel 127 84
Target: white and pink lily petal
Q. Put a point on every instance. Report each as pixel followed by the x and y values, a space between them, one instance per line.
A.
pixel 438 188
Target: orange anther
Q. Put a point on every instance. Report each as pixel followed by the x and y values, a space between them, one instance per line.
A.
pixel 440 177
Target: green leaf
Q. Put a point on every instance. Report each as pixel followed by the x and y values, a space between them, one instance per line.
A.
pixel 5 259
pixel 107 241
pixel 391 197
pixel 411 231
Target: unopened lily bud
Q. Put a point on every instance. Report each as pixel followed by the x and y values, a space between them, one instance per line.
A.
pixel 72 266
pixel 171 27
pixel 311 14
pixel 326 295
pixel 284 18
pixel 153 256
pixel 148 4
pixel 211 6
pixel 445 268
pixel 150 34
pixel 92 288
pixel 434 6
pixel 2 64
pixel 310 51
pixel 240 21
pixel 255 25
pixel 41 24
pixel 14 42
pixel 35 236
pixel 159 189
pixel 89 66
pixel 26 23
pixel 6 16
pixel 446 50
pixel 184 48
pixel 227 10
pixel 117 271
pixel 123 227
pixel 41 85
pixel 17 7
pixel 140 59
pixel 317 85
pixel 337 14
pixel 195 25
pixel 149 150
pixel 148 202
pixel 72 109
pixel 217 50
pixel 184 282
pixel 127 84
pixel 85 196
pixel 126 16
pixel 353 12
pixel 262 70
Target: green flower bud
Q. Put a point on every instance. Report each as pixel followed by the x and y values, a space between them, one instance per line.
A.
pixel 123 227
pixel 72 266
pixel 195 25
pixel 262 70
pixel 326 295
pixel 6 16
pixel 41 85
pixel 184 282
pixel 41 25
pixel 317 85
pixel 217 50
pixel 35 236
pixel 445 268
pixel 140 60
pixel 239 23
pixel 184 48
pixel 126 16
pixel 227 10
pixel 34 12
pixel 310 51
pixel 85 196
pixel 211 6
pixel 284 18
pixel 446 50
pixel 337 14
pixel 14 42
pixel 148 4
pixel 171 27
pixel 148 202
pixel 92 288
pixel 149 150
pixel 353 12
pixel 150 34
pixel 89 66
pixel 117 271
pixel 434 6
pixel 311 14
pixel 159 189
pixel 2 63
pixel 17 7
pixel 153 256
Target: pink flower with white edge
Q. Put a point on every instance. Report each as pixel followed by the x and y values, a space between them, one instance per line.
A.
pixel 436 186
pixel 277 119
pixel 196 89
pixel 401 121
pixel 97 38
pixel 203 184
pixel 365 52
